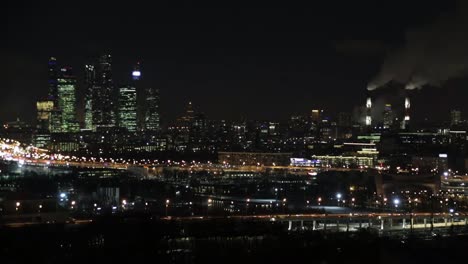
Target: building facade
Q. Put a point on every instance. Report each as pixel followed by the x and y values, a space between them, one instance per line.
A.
pixel 152 118
pixel 102 103
pixel 66 90
pixel 127 105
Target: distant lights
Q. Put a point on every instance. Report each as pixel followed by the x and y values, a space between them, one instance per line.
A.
pixel 136 73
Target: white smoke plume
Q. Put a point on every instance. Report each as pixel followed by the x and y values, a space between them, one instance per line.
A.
pixel 432 54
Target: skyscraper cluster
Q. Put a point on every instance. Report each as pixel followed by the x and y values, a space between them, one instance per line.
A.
pixel 106 105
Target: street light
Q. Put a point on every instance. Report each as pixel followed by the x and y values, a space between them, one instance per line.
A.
pixel 338 197
pixel 396 202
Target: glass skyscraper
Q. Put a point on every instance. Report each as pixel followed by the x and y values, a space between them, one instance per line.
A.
pixel 53 74
pixel 102 98
pixel 127 108
pixel 66 91
pixel 90 75
pixel 44 114
pixel 152 110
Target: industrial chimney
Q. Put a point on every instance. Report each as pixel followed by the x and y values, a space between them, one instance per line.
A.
pixel 406 120
pixel 368 110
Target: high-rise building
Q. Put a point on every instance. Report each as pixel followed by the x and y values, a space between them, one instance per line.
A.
pixel 316 115
pixel 44 114
pixel 387 116
pixel 455 117
pixel 66 90
pixel 56 121
pixel 103 107
pixel 152 122
pixel 90 75
pixel 136 73
pixel 127 105
pixel 53 74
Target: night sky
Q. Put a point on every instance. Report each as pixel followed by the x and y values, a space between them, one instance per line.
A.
pixel 257 61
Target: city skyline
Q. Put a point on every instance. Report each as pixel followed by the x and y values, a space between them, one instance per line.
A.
pixel 217 132
pixel 252 63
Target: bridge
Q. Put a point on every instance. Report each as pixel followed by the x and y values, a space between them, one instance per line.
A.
pixel 350 222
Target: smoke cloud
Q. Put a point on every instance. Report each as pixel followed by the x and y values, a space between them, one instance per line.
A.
pixel 432 54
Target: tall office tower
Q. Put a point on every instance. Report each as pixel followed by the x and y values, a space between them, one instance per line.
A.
pixel 369 111
pixel 455 117
pixel 136 73
pixel 44 114
pixel 127 105
pixel 90 75
pixel 141 95
pixel 387 116
pixel 103 107
pixel 66 90
pixel 316 115
pixel 152 110
pixel 53 74
pixel 56 121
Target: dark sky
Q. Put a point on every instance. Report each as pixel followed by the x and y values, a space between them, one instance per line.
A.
pixel 263 61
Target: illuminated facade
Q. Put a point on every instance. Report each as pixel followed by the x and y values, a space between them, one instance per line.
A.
pixel 66 90
pixel 127 108
pixel 152 122
pixel 56 121
pixel 102 103
pixel 136 73
pixel 53 74
pixel 44 114
pixel 90 75
pixel 316 115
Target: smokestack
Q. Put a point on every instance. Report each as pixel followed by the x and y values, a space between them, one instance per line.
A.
pixel 406 120
pixel 368 110
pixel 407 108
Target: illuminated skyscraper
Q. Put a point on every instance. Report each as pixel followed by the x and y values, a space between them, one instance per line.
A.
pixel 90 75
pixel 136 73
pixel 53 74
pixel 127 108
pixel 152 110
pixel 316 115
pixel 102 103
pixel 44 114
pixel 66 91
